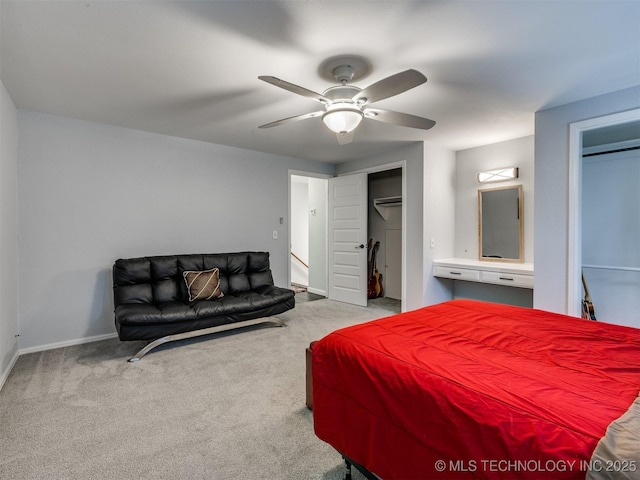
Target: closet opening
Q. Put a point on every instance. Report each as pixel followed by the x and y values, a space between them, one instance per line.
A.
pixel 309 265
pixel 610 184
pixel 604 217
pixel 385 231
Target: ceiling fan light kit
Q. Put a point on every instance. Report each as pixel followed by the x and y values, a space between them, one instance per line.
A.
pixel 346 105
pixel 342 119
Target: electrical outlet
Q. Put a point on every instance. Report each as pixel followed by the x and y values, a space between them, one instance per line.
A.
pixel 275 234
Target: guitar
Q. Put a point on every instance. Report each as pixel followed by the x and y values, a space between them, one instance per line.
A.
pixel 588 312
pixel 374 283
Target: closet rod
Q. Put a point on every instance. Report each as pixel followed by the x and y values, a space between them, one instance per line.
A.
pixel 606 152
pixel 609 267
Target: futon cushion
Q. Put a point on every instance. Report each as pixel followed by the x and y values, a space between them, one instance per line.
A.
pixel 203 284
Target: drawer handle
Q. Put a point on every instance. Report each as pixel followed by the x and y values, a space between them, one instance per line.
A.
pixel 455 273
pixel 506 278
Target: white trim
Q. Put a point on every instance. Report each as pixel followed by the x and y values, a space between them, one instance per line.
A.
pixel 383 168
pixel 67 343
pixel 299 173
pixel 574 237
pixel 302 173
pixel 373 169
pixel 51 346
pixel 290 173
pixel 6 373
pixel 403 287
pixel 379 168
pixel 317 291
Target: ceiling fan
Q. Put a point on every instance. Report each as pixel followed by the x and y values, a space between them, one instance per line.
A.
pixel 346 105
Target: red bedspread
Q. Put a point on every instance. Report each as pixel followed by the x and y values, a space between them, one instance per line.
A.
pixel 468 389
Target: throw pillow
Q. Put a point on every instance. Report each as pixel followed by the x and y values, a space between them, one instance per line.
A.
pixel 203 285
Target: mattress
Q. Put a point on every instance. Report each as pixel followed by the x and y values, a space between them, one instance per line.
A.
pixel 468 389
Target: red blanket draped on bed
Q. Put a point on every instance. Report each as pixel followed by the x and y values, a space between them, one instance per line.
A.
pixel 467 389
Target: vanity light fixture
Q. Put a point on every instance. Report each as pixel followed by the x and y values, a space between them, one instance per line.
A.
pixel 499 175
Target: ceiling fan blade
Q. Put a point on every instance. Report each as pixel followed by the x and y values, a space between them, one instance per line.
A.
pixel 344 138
pixel 390 86
pixel 294 88
pixel 397 118
pixel 292 119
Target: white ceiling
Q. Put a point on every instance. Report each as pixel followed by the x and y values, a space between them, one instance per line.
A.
pixel 190 69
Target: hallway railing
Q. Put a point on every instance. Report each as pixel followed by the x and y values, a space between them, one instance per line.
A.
pixel 300 260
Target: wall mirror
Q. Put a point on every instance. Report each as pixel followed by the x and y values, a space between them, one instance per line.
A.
pixel 500 224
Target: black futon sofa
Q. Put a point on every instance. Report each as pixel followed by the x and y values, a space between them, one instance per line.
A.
pixel 152 299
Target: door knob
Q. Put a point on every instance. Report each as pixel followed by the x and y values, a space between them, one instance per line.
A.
pixel 360 246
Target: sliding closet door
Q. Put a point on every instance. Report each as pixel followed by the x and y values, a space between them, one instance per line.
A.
pixel 611 235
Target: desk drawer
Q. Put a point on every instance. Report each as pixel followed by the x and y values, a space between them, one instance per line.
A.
pixel 511 279
pixel 457 273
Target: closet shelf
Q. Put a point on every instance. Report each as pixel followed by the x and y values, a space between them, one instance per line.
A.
pixel 612 267
pixel 382 204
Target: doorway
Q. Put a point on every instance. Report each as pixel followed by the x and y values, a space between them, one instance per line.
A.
pixel 308 196
pixel 308 213
pixel 580 250
pixel 385 226
pixel 611 222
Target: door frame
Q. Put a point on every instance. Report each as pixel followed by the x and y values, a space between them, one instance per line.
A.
pixel 373 169
pixel 300 173
pixel 574 252
pixel 382 168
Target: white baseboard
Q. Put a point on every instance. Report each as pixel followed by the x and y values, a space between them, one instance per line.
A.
pixel 67 343
pixel 316 291
pixel 5 374
pixel 41 348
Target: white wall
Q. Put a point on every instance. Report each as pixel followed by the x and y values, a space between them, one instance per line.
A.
pixel 91 193
pixel 512 153
pixel 439 218
pixel 552 190
pixel 300 229
pixel 8 234
pixel 318 236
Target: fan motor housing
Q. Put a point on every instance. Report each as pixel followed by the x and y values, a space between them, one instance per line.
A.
pixel 342 93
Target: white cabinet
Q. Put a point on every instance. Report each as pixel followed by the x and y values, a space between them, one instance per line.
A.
pixel 456 272
pixel 507 274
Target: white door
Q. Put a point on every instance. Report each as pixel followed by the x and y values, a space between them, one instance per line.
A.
pixel 348 239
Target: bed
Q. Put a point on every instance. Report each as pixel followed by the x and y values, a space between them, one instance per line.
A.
pixel 468 389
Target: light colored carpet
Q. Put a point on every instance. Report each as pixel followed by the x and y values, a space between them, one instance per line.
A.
pixel 224 407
